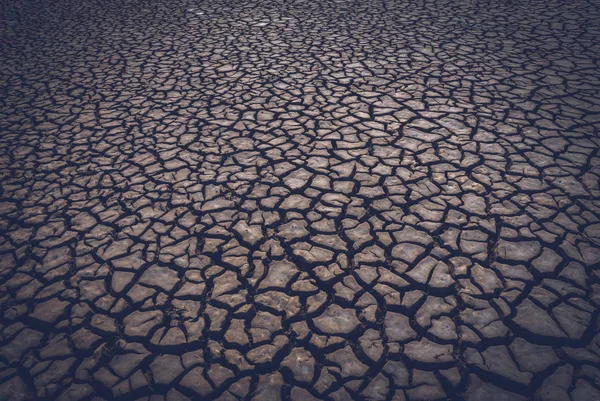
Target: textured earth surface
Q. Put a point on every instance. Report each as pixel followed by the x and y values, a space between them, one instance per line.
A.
pixel 300 200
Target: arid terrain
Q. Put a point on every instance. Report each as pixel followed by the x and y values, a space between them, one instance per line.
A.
pixel 300 200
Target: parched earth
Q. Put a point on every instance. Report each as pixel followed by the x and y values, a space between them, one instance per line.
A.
pixel 300 200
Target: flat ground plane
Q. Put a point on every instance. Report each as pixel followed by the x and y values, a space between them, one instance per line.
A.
pixel 300 200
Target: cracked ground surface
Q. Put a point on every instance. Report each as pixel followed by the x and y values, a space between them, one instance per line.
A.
pixel 299 200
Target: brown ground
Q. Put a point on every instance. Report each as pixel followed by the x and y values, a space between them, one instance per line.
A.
pixel 299 200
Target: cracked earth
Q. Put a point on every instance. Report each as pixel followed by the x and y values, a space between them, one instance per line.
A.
pixel 300 200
